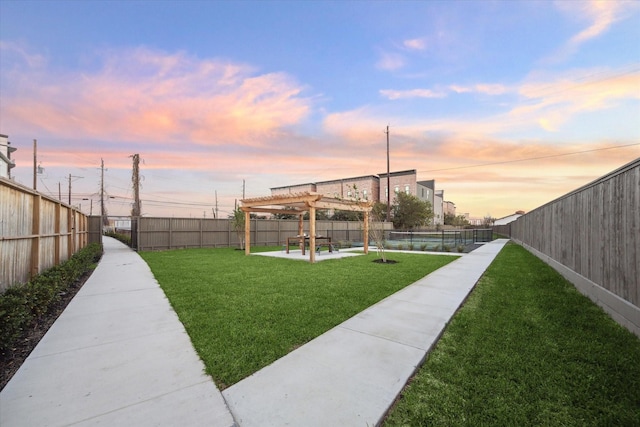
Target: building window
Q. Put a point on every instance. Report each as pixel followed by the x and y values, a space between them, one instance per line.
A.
pixel 406 189
pixel 349 193
pixel 397 189
pixel 386 192
pixel 364 194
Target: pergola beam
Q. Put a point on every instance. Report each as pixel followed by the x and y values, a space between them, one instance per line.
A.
pixel 343 206
pixel 273 210
pixel 281 199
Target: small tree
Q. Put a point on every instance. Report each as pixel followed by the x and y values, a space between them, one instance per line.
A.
pixel 376 225
pixel 238 224
pixel 410 212
pixel 377 232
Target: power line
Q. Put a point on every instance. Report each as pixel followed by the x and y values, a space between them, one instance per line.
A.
pixel 531 158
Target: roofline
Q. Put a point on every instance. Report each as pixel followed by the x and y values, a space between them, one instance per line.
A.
pixel 405 172
pixel 349 179
pixel 289 186
pixel 398 173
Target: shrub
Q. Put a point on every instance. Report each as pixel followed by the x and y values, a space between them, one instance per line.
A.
pixel 15 316
pixel 423 247
pixel 410 246
pixel 121 237
pixel 23 305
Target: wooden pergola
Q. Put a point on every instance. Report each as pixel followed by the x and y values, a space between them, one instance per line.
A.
pixel 298 204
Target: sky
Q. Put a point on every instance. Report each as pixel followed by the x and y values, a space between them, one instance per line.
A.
pixel 507 105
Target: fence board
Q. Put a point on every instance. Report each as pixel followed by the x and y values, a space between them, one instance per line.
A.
pixel 36 233
pixel 594 231
pixel 171 233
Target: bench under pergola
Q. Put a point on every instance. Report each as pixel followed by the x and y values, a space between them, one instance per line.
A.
pixel 298 204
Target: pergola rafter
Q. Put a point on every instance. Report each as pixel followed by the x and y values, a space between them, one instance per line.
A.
pixel 298 204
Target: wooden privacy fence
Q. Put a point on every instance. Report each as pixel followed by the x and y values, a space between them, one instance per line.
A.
pixel 594 232
pixel 173 233
pixel 36 233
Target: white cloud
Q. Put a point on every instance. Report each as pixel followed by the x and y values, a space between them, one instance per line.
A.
pixel 484 88
pixel 390 61
pixel 31 59
pixel 600 16
pixel 415 44
pixel 412 93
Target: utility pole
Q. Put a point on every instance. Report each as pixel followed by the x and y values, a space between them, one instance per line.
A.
pixel 388 180
pixel 135 212
pixel 243 187
pixel 71 176
pixel 35 161
pixel 59 192
pixel 215 214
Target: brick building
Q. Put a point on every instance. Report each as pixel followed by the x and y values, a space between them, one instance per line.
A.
pixel 374 188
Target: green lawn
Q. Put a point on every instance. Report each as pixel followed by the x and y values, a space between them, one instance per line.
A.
pixel 244 312
pixel 526 349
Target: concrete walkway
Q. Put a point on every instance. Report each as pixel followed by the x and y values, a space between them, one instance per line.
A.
pixel 118 355
pixel 351 375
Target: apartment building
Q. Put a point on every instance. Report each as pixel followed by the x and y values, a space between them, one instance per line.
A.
pixel 6 164
pixel 448 208
pixel 292 189
pixel 376 188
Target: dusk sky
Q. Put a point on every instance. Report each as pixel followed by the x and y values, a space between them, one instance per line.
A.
pixel 506 104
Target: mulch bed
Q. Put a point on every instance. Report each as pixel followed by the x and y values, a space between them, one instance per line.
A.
pixel 381 261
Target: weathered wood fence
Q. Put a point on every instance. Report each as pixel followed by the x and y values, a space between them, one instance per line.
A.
pixel 36 233
pixel 592 236
pixel 172 233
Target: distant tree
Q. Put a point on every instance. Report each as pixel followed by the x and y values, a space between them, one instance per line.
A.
pixel 456 221
pixel 320 215
pixel 284 216
pixel 379 210
pixel 460 221
pixel 488 221
pixel 410 212
pixel 449 219
pixel 347 216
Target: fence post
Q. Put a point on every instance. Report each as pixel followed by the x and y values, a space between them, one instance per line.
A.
pixel 35 240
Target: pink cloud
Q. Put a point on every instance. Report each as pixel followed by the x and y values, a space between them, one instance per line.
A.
pixel 144 95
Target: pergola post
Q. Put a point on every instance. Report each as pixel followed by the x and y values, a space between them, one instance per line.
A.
pixel 247 232
pixel 301 230
pixel 312 234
